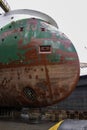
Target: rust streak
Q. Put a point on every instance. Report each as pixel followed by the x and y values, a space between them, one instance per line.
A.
pixel 47 78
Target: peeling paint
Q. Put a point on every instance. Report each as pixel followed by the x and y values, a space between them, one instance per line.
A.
pixel 48 77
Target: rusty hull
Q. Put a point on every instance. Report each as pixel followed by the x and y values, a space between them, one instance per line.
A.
pixel 39 65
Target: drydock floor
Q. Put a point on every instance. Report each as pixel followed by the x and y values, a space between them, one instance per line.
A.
pixel 8 125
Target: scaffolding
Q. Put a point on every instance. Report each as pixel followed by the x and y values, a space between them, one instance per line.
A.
pixel 83 65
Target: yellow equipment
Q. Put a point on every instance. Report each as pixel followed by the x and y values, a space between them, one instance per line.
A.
pixel 70 124
pixel 55 127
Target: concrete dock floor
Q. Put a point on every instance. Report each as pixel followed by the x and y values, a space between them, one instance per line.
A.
pixel 10 125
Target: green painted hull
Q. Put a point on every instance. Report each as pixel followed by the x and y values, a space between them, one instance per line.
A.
pixel 39 65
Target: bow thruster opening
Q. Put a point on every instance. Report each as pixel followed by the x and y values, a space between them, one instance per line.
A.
pixel 30 93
